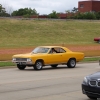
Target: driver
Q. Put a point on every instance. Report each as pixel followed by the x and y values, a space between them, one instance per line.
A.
pixel 53 50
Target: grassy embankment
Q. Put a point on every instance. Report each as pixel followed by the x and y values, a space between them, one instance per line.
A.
pixel 17 34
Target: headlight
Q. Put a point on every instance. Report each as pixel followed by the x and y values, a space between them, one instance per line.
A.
pixel 29 60
pixel 14 59
pixel 85 80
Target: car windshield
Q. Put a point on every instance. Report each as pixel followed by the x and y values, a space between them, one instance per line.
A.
pixel 40 50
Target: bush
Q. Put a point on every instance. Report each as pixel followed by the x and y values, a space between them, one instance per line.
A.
pixel 26 16
pixel 87 15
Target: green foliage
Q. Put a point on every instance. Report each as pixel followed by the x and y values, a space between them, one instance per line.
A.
pixel 97 15
pixel 6 64
pixel 87 15
pixel 27 16
pixel 25 12
pixel 87 59
pixel 74 10
pixel 3 12
pixel 53 14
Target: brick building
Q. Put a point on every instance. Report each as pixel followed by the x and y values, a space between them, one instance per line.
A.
pixel 89 6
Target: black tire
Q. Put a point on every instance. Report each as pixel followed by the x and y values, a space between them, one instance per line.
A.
pixel 54 66
pixel 92 98
pixel 38 65
pixel 21 67
pixel 71 63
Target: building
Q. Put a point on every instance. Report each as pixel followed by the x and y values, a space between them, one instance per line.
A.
pixel 89 6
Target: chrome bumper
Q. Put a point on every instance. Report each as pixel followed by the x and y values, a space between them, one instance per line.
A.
pixel 23 62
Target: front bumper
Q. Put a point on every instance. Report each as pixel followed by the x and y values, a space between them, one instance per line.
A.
pixel 91 91
pixel 23 62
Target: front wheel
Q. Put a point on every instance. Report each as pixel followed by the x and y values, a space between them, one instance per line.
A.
pixel 71 63
pixel 38 65
pixel 21 67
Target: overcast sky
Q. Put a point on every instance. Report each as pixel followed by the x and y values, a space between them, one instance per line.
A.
pixel 41 6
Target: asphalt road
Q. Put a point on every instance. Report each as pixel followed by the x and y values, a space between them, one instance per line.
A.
pixel 48 84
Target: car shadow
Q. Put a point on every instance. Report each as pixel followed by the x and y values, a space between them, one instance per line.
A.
pixel 50 68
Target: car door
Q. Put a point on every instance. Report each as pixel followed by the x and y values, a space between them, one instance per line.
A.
pixel 55 58
pixel 62 55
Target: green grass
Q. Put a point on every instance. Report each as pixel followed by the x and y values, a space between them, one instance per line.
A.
pixel 15 33
pixel 24 33
pixel 88 59
pixel 6 64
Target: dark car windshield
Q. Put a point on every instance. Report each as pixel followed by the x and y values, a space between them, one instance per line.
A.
pixel 40 50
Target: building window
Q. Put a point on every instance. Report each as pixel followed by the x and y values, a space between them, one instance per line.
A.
pixel 81 6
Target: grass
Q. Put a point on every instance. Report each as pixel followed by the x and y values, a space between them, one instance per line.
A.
pixel 6 64
pixel 24 33
pixel 88 59
pixel 15 33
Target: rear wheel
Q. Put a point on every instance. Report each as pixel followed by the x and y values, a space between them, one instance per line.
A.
pixel 71 63
pixel 93 98
pixel 54 66
pixel 21 67
pixel 38 65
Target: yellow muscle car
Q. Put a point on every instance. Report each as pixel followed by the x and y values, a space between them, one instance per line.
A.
pixel 48 55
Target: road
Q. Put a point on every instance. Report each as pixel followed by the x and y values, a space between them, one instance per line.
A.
pixel 48 84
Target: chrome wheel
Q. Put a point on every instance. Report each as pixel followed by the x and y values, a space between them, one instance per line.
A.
pixel 71 63
pixel 38 65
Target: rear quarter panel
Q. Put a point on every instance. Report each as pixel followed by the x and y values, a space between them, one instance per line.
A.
pixel 77 55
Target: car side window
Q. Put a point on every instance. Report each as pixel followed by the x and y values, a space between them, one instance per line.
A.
pixel 53 50
pixel 59 50
pixel 62 50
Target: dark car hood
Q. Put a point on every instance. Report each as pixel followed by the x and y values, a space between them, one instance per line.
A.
pixel 95 76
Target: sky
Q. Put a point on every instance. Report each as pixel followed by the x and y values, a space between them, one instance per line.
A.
pixel 41 6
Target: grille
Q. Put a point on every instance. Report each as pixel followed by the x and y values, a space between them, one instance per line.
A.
pixel 93 83
pixel 98 84
pixel 21 59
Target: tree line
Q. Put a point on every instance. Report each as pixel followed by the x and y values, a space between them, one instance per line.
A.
pixel 3 12
pixel 28 12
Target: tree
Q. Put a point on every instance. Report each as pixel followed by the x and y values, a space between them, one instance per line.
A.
pixel 86 15
pixel 8 8
pixel 24 12
pixel 53 14
pixel 97 15
pixel 68 14
pixel 74 10
pixel 3 12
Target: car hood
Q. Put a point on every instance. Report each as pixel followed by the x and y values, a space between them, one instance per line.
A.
pixel 28 55
pixel 94 76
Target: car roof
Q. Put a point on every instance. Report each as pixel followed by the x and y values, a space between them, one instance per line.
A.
pixel 51 46
pixel 56 47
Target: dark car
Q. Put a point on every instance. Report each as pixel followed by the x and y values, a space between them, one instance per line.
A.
pixel 91 86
